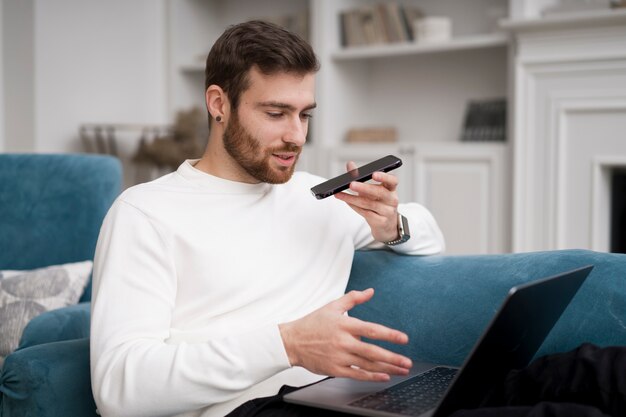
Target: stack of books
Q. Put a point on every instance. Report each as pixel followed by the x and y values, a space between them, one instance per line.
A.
pixel 378 24
pixel 485 121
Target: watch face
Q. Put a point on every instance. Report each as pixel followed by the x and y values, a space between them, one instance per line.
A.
pixel 404 228
pixel 403 231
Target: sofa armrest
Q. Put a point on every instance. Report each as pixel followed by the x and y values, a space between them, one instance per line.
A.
pixel 444 303
pixel 48 380
pixel 65 323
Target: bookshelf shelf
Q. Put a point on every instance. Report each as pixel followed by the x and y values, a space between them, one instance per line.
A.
pixel 401 49
pixel 492 40
pixel 566 20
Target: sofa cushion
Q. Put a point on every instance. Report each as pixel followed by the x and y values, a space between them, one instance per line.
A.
pixel 65 323
pixel 26 294
pixel 444 303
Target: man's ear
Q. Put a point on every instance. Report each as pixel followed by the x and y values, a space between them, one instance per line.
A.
pixel 217 103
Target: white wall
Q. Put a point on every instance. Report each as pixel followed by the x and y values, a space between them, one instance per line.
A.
pixel 18 76
pixel 97 62
pixel 1 84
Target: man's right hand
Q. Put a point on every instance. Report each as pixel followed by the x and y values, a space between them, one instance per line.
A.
pixel 328 342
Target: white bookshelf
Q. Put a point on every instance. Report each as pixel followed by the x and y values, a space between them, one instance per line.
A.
pixel 390 85
pixel 420 89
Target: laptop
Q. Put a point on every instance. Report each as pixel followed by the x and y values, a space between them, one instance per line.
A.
pixel 510 342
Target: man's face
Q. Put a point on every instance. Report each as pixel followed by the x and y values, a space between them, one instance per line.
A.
pixel 265 134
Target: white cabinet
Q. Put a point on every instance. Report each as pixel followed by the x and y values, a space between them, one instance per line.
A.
pixel 465 186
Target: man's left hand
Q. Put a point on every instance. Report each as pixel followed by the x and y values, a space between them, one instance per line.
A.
pixel 377 203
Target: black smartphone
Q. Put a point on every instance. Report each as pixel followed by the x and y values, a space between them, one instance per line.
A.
pixel 362 174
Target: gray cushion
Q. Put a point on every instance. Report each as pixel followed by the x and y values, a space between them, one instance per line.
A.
pixel 26 294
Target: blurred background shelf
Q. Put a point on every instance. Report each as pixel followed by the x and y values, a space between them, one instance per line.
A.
pixel 480 41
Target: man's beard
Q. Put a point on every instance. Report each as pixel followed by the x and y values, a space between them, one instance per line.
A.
pixel 247 152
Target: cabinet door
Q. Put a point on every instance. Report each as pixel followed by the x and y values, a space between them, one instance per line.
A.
pixel 338 157
pixel 466 189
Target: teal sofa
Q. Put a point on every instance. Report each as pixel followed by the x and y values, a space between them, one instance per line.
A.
pixel 442 302
pixel 51 209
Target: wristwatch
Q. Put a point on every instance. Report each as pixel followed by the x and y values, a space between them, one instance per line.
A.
pixel 403 231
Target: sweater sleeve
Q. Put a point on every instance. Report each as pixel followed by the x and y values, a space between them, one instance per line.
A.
pixel 135 372
pixel 426 236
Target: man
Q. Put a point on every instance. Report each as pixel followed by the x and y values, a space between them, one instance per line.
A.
pixel 223 281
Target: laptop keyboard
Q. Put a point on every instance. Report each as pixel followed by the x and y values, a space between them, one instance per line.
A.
pixel 413 396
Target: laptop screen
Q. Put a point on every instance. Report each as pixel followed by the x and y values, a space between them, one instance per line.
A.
pixel 512 338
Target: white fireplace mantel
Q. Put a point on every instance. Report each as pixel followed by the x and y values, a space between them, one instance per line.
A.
pixel 569 116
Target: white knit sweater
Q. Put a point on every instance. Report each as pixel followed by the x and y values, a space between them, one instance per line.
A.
pixel 192 276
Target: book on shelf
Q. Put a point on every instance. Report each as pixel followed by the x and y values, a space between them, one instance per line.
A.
pixel 377 24
pixel 485 121
pixel 372 135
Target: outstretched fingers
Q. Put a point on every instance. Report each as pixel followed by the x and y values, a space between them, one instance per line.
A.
pixel 352 365
pixel 375 353
pixel 368 361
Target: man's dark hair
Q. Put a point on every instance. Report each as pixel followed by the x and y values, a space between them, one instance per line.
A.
pixel 269 47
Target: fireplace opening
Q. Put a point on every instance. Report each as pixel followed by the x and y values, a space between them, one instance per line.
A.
pixel 618 211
